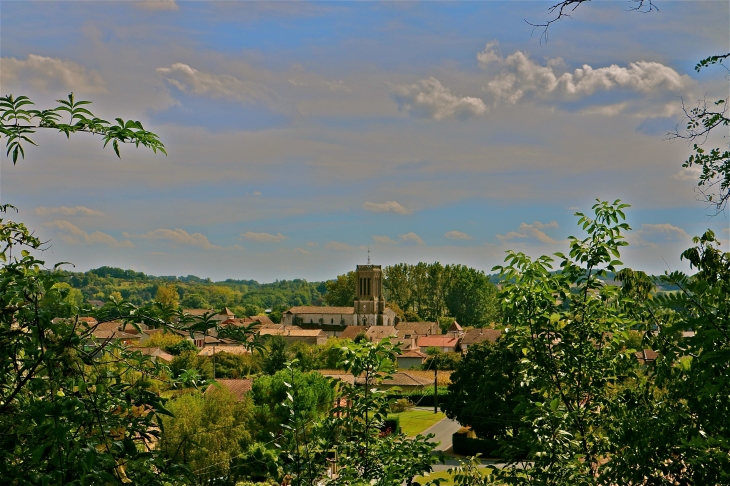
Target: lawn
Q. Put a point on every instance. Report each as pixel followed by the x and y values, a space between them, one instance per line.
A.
pixel 449 479
pixel 414 422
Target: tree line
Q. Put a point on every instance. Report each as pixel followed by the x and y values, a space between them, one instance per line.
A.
pixel 429 292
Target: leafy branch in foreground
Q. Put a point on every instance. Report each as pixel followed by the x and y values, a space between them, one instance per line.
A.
pixel 18 121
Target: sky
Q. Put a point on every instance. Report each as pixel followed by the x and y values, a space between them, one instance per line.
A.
pixel 300 135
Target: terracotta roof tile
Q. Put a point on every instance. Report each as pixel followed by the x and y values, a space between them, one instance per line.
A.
pixel 439 341
pixel 351 332
pixel 239 388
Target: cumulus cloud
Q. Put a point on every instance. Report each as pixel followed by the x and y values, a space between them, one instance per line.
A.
pixel 688 174
pixel 339 246
pixel 263 237
pixel 157 4
pixel 386 207
pixel 649 235
pixel 520 77
pixel 225 86
pixel 49 75
pixel 457 235
pixel 384 240
pixel 302 251
pixel 177 237
pixel 534 230
pixel 412 237
pixel 73 235
pixel 430 99
pixel 66 211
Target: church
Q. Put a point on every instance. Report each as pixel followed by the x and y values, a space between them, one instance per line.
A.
pixel 369 307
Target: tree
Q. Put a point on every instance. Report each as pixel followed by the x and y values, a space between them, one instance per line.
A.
pixel 341 291
pixel 471 297
pixel 19 121
pixel 485 389
pixel 314 397
pixel 276 357
pixel 70 412
pixel 167 295
pixel 571 332
pixel 367 454
pixel 206 432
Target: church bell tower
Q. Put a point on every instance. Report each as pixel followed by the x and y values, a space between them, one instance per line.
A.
pixel 369 301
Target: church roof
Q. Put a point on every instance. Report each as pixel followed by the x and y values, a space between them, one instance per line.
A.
pixel 313 309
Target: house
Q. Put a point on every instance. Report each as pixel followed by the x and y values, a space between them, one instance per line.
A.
pixel 238 387
pixel 455 330
pixel 410 359
pixel 402 380
pixel 375 334
pixel 446 344
pixel 341 316
pixel 105 335
pixel 476 336
pixel 351 332
pixel 418 329
pixel 293 334
pixel 224 347
pixel 646 356
pixel 155 353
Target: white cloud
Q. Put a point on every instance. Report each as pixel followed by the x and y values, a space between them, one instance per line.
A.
pixel 430 99
pixel 177 237
pixel 73 235
pixel 263 237
pixel 521 78
pixel 688 174
pixel 49 75
pixel 302 251
pixel 312 243
pixel 533 230
pixel 190 80
pixel 412 237
pixel 386 207
pixel 649 235
pixel 66 211
pixel 338 246
pixel 156 4
pixel 457 235
pixel 384 240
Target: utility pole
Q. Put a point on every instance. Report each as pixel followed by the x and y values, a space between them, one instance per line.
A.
pixel 435 386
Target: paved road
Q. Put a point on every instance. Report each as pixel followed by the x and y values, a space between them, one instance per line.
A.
pixel 443 432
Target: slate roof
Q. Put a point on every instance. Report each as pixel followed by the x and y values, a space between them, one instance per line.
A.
pixel 351 332
pixel 238 387
pixel 439 341
pixel 475 336
pixel 313 309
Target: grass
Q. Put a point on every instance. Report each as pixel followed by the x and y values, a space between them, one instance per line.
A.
pixel 414 422
pixel 449 479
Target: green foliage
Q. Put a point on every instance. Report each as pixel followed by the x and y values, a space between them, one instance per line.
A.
pixel 187 362
pixel 19 121
pixel 70 412
pixel 485 389
pixel 366 454
pixel 433 291
pixel 569 331
pixel 341 291
pixel 275 357
pixel 179 347
pixel 442 361
pixel 314 397
pixel 206 433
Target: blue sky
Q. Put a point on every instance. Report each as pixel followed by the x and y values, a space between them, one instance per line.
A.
pixel 299 133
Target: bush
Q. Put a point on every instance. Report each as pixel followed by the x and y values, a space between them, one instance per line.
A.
pixel 401 405
pixel 466 446
pixel 391 425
